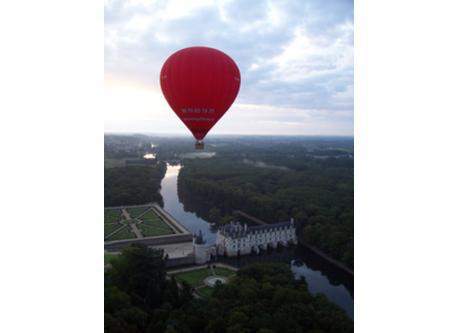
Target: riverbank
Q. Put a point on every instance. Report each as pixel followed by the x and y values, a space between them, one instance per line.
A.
pixel 321 275
pixel 325 256
pixel 303 243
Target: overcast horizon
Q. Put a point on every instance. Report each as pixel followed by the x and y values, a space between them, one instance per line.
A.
pixel 295 59
pixel 184 134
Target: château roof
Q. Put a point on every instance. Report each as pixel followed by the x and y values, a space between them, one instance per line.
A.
pixel 237 230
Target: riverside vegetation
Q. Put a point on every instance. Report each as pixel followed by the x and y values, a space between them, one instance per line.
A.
pixel 261 298
pixel 277 183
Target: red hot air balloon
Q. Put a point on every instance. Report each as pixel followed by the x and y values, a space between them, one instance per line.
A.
pixel 200 84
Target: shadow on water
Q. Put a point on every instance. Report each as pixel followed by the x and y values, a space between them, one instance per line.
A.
pixel 321 276
pixel 335 276
pixel 174 206
pixel 192 204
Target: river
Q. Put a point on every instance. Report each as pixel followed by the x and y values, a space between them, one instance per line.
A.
pixel 321 276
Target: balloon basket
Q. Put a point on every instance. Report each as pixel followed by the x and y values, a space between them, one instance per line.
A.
pixel 199 145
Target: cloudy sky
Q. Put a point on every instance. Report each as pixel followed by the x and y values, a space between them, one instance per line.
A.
pixel 295 59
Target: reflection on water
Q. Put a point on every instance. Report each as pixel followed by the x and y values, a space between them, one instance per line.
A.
pixel 321 276
pixel 319 283
pixel 172 171
pixel 173 205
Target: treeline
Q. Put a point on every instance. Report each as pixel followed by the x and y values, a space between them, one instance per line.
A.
pixel 262 298
pixel 138 296
pixel 132 185
pixel 126 146
pixel 317 193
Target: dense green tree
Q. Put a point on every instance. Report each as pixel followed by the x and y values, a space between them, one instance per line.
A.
pixel 265 297
pixel 318 193
pixel 214 215
pixel 137 288
pixel 139 297
pixel 308 179
pixel 132 185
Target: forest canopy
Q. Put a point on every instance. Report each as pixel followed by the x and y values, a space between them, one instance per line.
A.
pixel 133 185
pixel 276 185
pixel 261 298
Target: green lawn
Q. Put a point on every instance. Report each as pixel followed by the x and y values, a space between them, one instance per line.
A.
pixel 153 225
pixel 205 291
pixel 151 216
pixel 150 230
pixel 109 228
pixel 124 233
pixel 109 257
pixel 195 278
pixel 136 211
pixel 131 221
pixel 149 223
pixel 222 271
pixel 112 215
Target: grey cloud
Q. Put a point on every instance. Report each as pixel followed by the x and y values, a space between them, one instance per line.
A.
pixel 142 56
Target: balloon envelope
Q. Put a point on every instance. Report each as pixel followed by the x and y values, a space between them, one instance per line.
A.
pixel 200 84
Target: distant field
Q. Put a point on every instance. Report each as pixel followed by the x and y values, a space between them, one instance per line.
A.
pixel 136 211
pixel 124 233
pixel 198 155
pixel 112 215
pixel 114 162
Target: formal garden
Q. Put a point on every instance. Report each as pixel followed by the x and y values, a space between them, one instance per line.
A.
pixel 203 280
pixel 134 222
